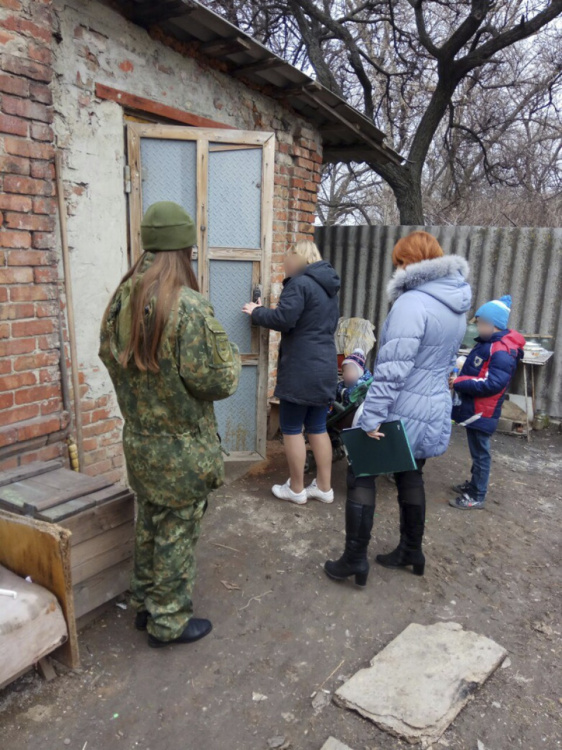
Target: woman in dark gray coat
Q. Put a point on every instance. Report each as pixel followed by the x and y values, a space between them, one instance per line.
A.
pixel 307 316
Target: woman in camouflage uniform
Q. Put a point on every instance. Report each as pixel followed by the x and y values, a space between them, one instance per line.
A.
pixel 169 359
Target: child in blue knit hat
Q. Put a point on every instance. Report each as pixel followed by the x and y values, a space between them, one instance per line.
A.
pixel 482 385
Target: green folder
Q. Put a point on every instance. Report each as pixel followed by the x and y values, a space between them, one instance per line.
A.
pixel 388 455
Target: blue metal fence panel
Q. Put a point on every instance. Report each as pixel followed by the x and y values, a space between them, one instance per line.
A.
pixel 523 262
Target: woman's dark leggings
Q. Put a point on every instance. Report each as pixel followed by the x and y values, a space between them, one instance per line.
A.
pixel 411 491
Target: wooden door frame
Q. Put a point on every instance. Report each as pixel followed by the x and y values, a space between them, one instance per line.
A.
pixel 202 137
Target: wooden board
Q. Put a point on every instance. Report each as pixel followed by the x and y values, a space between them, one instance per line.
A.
pixel 78 506
pixel 35 494
pixel 102 587
pixel 101 518
pixel 102 551
pixel 29 470
pixel 42 551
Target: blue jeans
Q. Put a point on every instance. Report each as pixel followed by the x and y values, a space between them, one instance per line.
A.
pixel 479 446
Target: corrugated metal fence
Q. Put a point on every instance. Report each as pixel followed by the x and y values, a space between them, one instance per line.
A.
pixel 523 262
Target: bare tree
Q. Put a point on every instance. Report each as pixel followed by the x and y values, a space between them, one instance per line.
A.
pixel 426 72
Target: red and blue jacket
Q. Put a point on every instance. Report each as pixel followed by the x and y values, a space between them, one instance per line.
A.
pixel 484 379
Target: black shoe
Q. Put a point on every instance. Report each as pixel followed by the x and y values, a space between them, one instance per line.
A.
pixel 141 619
pixel 462 489
pixel 354 562
pixel 196 629
pixel 409 550
pixel 466 501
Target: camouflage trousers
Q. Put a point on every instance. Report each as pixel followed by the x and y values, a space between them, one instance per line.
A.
pixel 164 565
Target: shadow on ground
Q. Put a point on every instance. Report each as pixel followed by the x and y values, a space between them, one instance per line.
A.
pixel 283 631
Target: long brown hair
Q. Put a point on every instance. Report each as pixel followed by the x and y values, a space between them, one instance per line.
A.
pixel 153 295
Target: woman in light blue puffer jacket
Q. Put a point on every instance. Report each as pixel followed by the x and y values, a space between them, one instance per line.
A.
pixel 419 343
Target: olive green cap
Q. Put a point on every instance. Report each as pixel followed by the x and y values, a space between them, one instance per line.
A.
pixel 167 226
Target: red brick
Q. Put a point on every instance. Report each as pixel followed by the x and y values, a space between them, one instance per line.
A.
pixel 45 275
pixel 38 393
pixel 14 239
pixel 42 132
pixel 4 330
pixel 40 92
pixel 17 311
pixel 100 427
pixel 11 4
pixel 6 400
pixel 27 185
pixel 46 310
pixel 13 125
pixel 20 413
pixel 47 342
pixel 5 366
pixel 100 468
pixel 4 293
pixel 13 105
pixel 51 406
pixel 8 437
pixel 10 202
pixel 13 85
pixel 29 258
pixel 13 382
pixel 28 221
pixel 15 275
pixel 32 292
pixel 43 205
pixel 43 240
pixel 23 26
pixel 43 170
pixel 49 375
pixel 38 427
pixel 40 53
pixel 32 328
pixel 27 68
pixel 20 147
pixel 56 450
pixel 90 444
pixel 34 361
pixel 15 165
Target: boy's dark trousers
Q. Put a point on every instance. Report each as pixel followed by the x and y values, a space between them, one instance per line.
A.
pixel 479 446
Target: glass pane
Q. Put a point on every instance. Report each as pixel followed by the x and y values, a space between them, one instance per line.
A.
pixel 231 286
pixel 236 415
pixel 169 172
pixel 235 198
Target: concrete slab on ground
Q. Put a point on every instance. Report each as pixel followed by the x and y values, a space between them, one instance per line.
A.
pixel 418 684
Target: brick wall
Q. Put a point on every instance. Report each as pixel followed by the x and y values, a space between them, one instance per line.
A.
pixel 30 393
pixel 52 48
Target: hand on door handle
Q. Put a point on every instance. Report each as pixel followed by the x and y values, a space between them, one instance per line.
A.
pixel 249 307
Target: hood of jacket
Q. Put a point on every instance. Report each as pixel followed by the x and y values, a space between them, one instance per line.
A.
pixel 323 273
pixel 442 278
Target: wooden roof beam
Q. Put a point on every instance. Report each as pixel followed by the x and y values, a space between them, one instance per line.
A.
pixel 224 47
pixel 255 67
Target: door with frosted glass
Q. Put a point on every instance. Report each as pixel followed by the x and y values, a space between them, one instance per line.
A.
pixel 224 179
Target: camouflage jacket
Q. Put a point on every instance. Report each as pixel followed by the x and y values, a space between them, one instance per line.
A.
pixel 170 435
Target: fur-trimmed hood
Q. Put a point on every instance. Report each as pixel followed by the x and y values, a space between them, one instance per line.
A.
pixel 443 278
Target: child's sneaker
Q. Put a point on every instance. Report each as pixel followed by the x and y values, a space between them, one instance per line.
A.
pixel 467 502
pixel 284 492
pixel 313 492
pixel 462 489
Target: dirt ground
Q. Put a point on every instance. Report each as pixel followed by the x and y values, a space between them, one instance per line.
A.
pixel 284 631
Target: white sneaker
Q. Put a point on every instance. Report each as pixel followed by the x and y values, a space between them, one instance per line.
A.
pixel 284 492
pixel 314 492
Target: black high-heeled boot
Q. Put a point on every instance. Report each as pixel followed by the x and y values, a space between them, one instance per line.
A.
pixel 409 550
pixel 354 562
